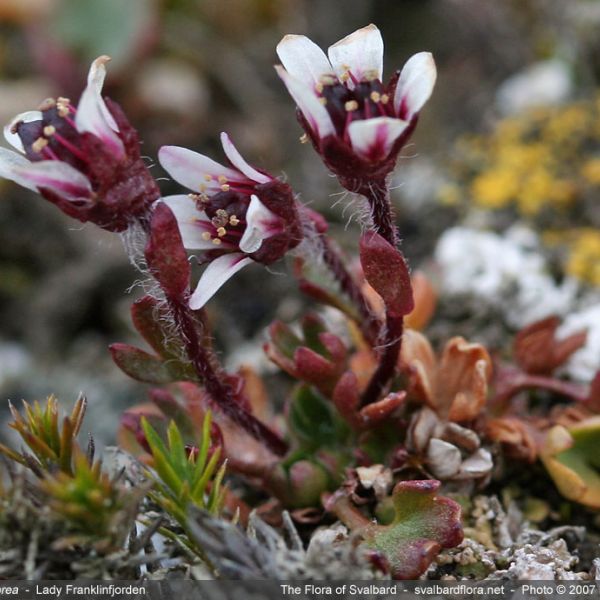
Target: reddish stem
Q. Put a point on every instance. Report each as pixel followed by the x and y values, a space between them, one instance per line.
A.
pixel 525 381
pixel 388 360
pixel 221 393
pixel 377 194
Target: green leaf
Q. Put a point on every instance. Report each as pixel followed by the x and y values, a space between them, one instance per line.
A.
pixel 571 457
pixel 148 368
pixel 312 419
pixel 423 524
pixel 160 454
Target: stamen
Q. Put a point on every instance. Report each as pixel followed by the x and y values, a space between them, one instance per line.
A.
pixel 216 241
pixel 351 105
pixel 344 77
pixel 303 138
pixel 206 236
pixel 222 179
pixel 39 144
pixel 371 75
pixel 221 231
pixel 319 88
pixel 47 104
pixel 375 96
pixel 202 188
pixel 327 79
pixel 233 220
pixel 225 187
pixel 385 99
pixel 48 153
pixel 63 106
pixel 70 147
pixel 323 101
pixel 208 177
pixel 49 130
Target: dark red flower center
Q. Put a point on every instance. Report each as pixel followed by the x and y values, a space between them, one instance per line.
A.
pixel 54 136
pixel 227 214
pixel 368 99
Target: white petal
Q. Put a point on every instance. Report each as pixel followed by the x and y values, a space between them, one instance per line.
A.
pixel 59 177
pixel 195 171
pixel 215 275
pixel 361 53
pixel 415 85
pixel 239 163
pixel 27 117
pixel 11 164
pixel 93 115
pixel 303 59
pixel 190 221
pixel 314 112
pixel 261 224
pixel 374 138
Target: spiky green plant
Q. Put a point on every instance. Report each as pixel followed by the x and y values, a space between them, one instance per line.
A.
pixel 52 445
pixel 96 506
pixel 184 477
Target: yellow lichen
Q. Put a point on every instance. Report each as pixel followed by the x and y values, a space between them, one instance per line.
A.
pixel 544 166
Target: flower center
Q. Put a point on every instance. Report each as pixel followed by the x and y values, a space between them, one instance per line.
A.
pixel 54 136
pixel 227 214
pixel 368 99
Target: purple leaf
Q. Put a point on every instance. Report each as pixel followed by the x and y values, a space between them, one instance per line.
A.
pixel 166 255
pixel 387 272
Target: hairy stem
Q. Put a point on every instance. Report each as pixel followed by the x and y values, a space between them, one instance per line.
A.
pixel 205 362
pixel 388 360
pixel 368 323
pixel 214 384
pixel 377 194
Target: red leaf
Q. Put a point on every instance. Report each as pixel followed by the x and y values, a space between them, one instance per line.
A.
pixel 387 272
pixel 166 255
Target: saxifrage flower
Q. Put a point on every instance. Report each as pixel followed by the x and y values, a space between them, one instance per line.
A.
pixel 236 215
pixel 356 122
pixel 84 159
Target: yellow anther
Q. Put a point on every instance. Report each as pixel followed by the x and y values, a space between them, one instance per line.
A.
pixel 225 187
pixel 319 87
pixel 351 105
pixel 202 188
pixel 327 79
pixel 371 75
pixel 222 179
pixel 208 177
pixel 49 130
pixel 233 220
pixel 39 144
pixel 47 103
pixel 384 98
pixel 344 77
pixel 216 241
pixel 206 236
pixel 323 101
pixel 221 231
pixel 63 100
pixel 375 96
